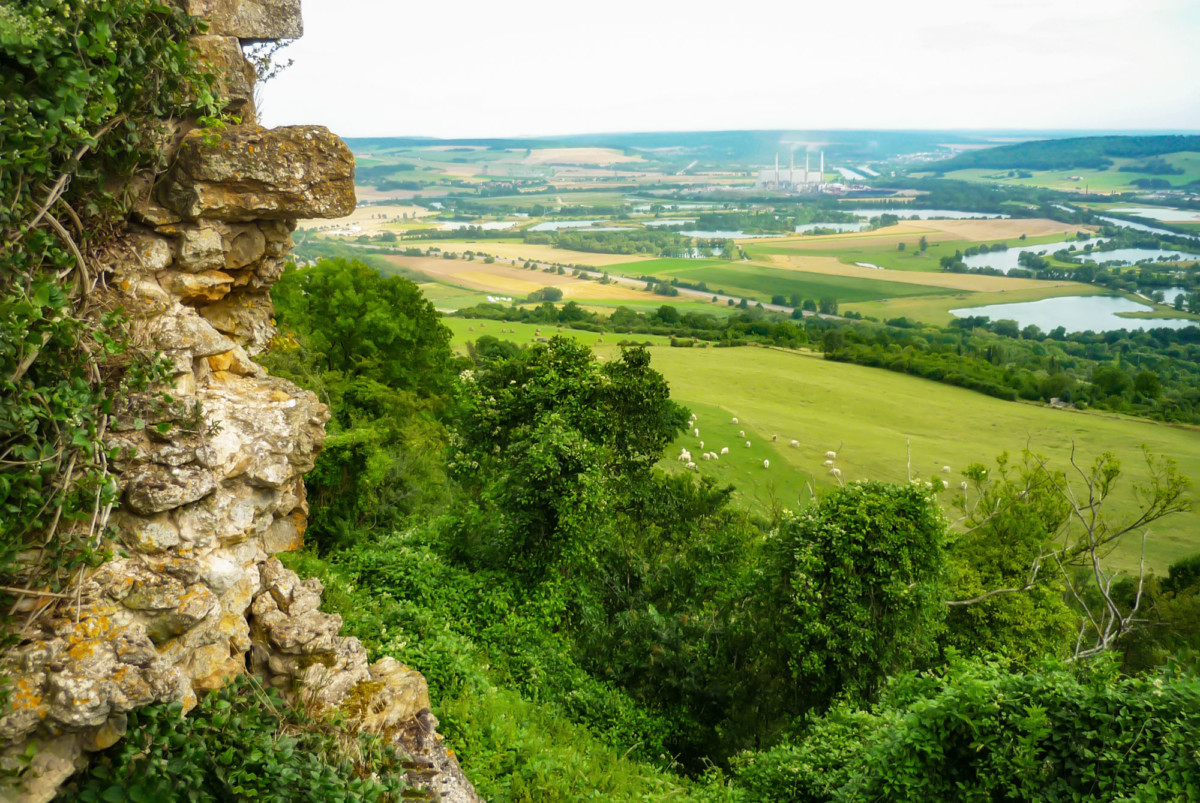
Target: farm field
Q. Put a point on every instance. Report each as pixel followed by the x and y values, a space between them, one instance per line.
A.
pixel 539 253
pixel 465 330
pixel 504 279
pixel 760 282
pixel 871 413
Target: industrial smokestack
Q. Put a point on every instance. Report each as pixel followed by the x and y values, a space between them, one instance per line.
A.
pixel 792 166
pixel 821 178
pixel 806 181
pixel 776 167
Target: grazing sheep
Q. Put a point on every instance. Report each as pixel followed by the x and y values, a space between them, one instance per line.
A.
pixel 685 455
pixel 741 433
pixel 831 455
pixel 696 432
pixel 774 438
pixel 766 464
pixel 735 419
pixel 701 444
pixel 828 464
pixel 963 485
pixel 945 485
pixel 705 456
pixel 796 444
pixel 691 464
pixel 747 444
pixel 716 456
pixel 837 472
pixel 945 469
pixel 724 450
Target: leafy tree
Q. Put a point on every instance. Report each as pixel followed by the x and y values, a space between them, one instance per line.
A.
pixel 856 586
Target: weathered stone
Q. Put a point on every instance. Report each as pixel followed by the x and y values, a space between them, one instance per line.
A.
pixel 394 694
pixel 199 248
pixel 286 534
pixel 235 361
pixel 245 317
pixel 250 20
pixel 179 330
pixel 195 288
pixel 247 244
pixel 151 252
pixel 235 75
pixel 252 173
pixel 54 760
pixel 106 735
pixel 151 535
pixel 154 488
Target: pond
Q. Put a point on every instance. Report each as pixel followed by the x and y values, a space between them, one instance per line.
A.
pixel 1007 260
pixel 923 214
pixel 807 227
pixel 1076 314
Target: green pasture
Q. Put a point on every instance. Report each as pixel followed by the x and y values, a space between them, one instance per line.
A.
pixel 465 330
pixel 869 415
pixel 761 282
pixel 889 256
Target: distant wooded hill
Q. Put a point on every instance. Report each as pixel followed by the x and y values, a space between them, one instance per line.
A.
pixel 1068 154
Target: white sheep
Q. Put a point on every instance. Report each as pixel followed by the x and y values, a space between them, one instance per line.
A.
pixel 774 438
pixel 945 469
pixel 724 450
pixel 735 419
pixel 945 485
pixel 837 472
pixel 691 464
pixel 831 455
pixel 741 433
pixel 701 444
pixel 963 485
pixel 795 444
pixel 828 464
pixel 747 444
pixel 766 464
pixel 685 455
pixel 696 432
pixel 715 456
pixel 706 456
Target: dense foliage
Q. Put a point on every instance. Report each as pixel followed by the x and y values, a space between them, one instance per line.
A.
pixel 84 86
pixel 591 626
pixel 241 743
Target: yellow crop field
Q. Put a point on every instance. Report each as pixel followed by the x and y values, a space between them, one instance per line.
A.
pixel 969 282
pixel 579 156
pixel 1002 229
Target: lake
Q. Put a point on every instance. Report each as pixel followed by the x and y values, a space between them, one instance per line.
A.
pixel 490 225
pixel 1131 256
pixel 807 227
pixel 555 225
pixel 923 214
pixel 1143 227
pixel 1165 214
pixel 726 235
pixel 1007 260
pixel 1076 313
pixel 683 221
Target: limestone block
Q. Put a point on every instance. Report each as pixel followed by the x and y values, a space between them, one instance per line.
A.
pixel 246 245
pixel 196 288
pixel 250 20
pixel 286 534
pixel 199 248
pixel 245 317
pixel 154 488
pixel 393 695
pixel 179 330
pixel 150 251
pixel 152 535
pixel 250 172
pixel 235 75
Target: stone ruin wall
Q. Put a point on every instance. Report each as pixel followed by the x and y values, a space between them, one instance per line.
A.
pixel 197 598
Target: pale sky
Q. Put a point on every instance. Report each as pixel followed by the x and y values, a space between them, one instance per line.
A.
pixel 455 68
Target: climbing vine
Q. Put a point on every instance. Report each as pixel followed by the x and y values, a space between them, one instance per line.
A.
pixel 87 90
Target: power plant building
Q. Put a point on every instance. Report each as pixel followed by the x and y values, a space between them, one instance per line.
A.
pixel 791 179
